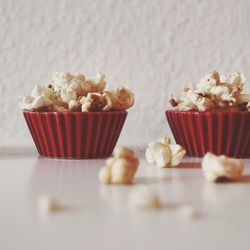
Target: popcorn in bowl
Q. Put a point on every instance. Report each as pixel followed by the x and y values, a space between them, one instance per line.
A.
pixel 77 92
pixel 214 92
pixel 75 116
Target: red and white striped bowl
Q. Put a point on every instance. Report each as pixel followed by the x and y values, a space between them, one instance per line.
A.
pixel 75 135
pixel 219 132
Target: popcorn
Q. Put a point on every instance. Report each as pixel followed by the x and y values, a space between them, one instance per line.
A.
pixel 109 99
pixel 244 98
pixel 79 82
pixel 120 168
pixel 208 81
pixel 177 153
pixel 214 92
pixel 164 154
pixel 62 78
pixel 223 93
pixel 216 168
pixel 38 102
pixel 42 90
pixel 123 99
pixel 46 204
pixel 236 80
pixel 96 84
pixel 142 198
pixel 187 212
pixel 76 92
pixel 74 105
pixel 68 94
pixel 92 102
pixel 159 153
pixel 57 108
pixel 120 100
pixel 201 102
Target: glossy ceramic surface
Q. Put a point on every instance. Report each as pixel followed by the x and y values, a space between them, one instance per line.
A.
pixel 75 134
pixel 217 132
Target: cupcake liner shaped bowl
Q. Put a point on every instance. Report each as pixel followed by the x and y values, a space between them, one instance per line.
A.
pixel 219 132
pixel 75 135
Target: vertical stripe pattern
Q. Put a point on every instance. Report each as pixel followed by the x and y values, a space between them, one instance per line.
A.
pixel 225 133
pixel 75 135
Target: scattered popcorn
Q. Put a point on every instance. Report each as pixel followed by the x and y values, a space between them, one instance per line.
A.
pixel 39 102
pixel 216 168
pixel 158 153
pixel 142 198
pixel 214 92
pixel 77 92
pixel 46 204
pixel 187 212
pixel 120 168
pixel 164 154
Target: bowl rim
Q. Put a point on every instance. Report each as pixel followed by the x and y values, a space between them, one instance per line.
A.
pixel 75 112
pixel 206 112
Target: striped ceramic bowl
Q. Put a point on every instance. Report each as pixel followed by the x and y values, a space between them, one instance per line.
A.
pixel 75 135
pixel 218 132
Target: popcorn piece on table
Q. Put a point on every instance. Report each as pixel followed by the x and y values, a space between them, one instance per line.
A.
pixel 187 212
pixel 46 204
pixel 120 168
pixel 164 154
pixel 216 168
pixel 141 198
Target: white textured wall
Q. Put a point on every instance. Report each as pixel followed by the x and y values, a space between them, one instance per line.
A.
pixel 153 47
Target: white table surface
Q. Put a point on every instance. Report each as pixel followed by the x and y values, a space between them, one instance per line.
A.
pixel 96 216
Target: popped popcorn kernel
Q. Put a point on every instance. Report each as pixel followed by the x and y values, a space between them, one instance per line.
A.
pixel 69 92
pixel 164 154
pixel 214 92
pixel 143 198
pixel 216 168
pixel 46 205
pixel 120 168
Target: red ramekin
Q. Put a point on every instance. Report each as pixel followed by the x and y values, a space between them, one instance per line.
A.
pixel 75 135
pixel 218 132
